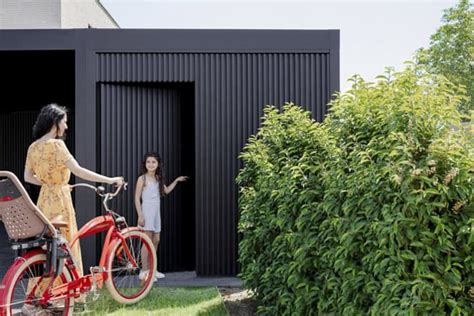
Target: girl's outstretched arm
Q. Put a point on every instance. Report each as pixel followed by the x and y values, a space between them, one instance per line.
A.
pixel 171 187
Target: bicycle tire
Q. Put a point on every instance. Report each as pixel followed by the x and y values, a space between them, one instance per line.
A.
pixel 123 280
pixel 16 283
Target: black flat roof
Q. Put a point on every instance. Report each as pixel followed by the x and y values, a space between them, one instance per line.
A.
pixel 173 40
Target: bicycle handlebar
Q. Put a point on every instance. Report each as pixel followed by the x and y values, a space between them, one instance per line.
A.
pixel 123 185
pixel 100 190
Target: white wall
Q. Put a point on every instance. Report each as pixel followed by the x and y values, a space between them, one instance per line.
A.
pixel 84 13
pixel 53 14
pixel 30 14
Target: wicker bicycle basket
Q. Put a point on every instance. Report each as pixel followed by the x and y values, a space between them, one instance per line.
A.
pixel 21 217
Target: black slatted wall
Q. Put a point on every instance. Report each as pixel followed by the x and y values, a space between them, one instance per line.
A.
pixel 15 137
pixel 136 119
pixel 230 91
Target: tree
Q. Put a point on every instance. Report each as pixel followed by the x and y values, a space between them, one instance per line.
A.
pixel 451 50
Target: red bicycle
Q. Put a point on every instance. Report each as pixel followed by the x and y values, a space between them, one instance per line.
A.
pixel 44 275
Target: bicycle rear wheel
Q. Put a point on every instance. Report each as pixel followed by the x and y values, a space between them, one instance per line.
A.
pixel 123 280
pixel 24 286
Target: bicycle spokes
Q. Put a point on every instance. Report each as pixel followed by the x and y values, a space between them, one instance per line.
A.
pixel 29 287
pixel 127 263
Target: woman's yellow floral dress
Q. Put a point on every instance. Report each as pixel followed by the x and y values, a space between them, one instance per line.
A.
pixel 48 160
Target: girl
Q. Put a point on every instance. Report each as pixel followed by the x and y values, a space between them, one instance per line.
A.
pixel 149 189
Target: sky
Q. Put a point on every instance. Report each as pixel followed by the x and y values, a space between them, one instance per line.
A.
pixel 373 34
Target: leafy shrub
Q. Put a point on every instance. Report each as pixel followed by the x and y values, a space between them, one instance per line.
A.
pixel 280 184
pixel 368 213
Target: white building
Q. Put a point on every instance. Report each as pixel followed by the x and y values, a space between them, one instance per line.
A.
pixel 54 14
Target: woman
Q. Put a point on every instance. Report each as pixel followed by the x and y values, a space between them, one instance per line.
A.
pixel 49 165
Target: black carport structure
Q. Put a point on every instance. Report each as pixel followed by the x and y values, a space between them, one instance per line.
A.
pixel 195 96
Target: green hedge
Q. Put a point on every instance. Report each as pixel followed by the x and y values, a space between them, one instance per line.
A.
pixel 369 212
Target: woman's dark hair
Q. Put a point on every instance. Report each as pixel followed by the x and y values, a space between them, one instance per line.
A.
pixel 159 170
pixel 49 116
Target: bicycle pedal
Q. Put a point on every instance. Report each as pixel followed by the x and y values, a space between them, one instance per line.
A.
pixel 97 269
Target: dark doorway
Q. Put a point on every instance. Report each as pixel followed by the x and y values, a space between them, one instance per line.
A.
pixel 135 119
pixel 28 81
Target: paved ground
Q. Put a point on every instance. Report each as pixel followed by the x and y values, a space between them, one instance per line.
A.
pixel 189 278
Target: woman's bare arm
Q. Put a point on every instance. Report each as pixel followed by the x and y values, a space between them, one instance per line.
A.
pixel 30 177
pixel 87 174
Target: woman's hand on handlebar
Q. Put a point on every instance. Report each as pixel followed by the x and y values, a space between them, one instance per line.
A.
pixel 117 181
pixel 119 184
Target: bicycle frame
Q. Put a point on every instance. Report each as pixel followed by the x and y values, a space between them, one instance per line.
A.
pixel 98 274
pixel 98 225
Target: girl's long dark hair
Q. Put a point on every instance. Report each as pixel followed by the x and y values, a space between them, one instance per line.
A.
pixel 159 170
pixel 49 116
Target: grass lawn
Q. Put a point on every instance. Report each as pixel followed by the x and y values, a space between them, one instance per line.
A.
pixel 163 301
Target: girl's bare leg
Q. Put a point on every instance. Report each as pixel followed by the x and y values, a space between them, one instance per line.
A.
pixel 144 252
pixel 156 240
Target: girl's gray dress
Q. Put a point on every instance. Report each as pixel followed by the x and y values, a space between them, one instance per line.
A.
pixel 151 206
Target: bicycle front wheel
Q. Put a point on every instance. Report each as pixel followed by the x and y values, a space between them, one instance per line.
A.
pixel 26 285
pixel 124 282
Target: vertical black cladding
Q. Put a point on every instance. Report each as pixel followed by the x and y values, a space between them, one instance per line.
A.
pixel 136 119
pixel 15 137
pixel 230 93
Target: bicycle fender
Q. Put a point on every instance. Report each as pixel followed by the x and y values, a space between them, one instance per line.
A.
pixel 130 229
pixel 18 261
pixel 113 241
